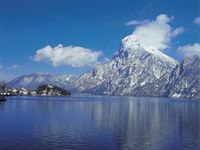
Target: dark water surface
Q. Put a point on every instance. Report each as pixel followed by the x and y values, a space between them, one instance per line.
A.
pixel 99 123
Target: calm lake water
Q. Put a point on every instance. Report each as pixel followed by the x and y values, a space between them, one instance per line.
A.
pixel 99 123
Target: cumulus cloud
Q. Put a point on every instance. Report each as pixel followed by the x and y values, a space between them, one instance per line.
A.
pixel 157 33
pixel 136 22
pixel 74 56
pixel 189 50
pixel 197 20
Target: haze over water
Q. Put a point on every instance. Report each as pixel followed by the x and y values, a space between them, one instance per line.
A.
pixel 99 123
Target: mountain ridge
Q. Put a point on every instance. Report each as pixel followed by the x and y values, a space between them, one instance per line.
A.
pixel 32 81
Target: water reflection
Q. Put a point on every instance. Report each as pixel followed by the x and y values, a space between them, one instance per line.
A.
pixel 108 123
pixel 1 106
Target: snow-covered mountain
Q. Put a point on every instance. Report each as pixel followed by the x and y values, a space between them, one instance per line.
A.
pixel 185 79
pixel 32 81
pixel 132 71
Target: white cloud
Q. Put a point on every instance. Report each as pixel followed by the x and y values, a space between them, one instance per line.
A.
pixel 177 31
pixel 136 22
pixel 14 67
pixel 189 50
pixel 197 20
pixel 74 56
pixel 157 33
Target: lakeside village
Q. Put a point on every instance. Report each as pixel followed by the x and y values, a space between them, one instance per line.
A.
pixel 42 90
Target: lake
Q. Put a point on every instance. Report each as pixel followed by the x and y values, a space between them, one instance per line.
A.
pixel 99 123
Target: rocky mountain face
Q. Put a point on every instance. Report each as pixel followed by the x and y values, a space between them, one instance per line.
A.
pixel 32 81
pixel 184 80
pixel 132 71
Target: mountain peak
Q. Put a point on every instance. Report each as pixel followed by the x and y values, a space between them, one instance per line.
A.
pixel 130 42
pixel 131 48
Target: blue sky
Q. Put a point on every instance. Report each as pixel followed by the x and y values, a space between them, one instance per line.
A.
pixel 29 25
